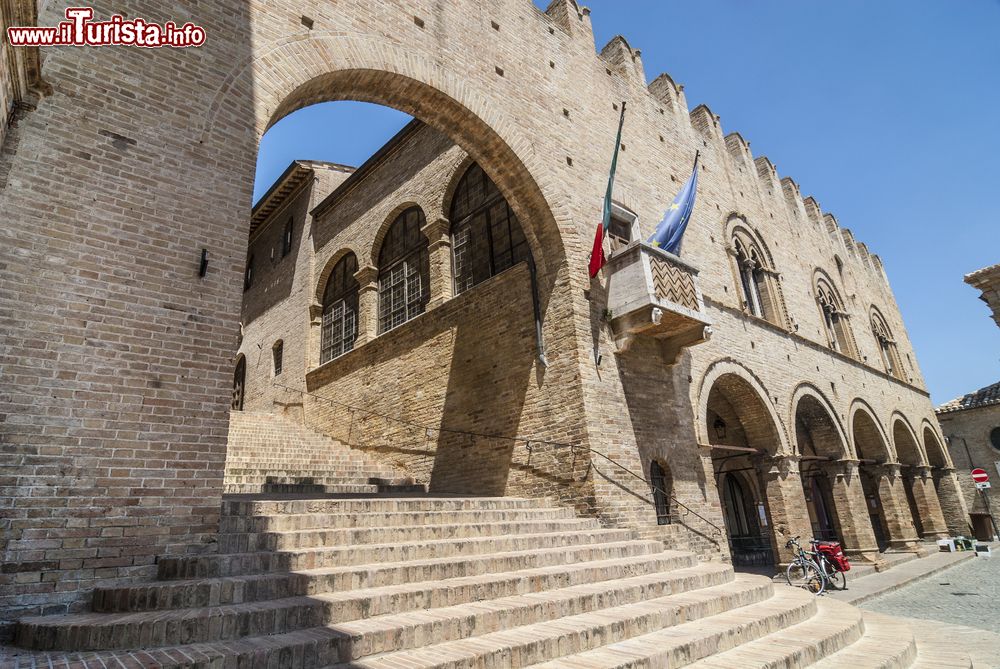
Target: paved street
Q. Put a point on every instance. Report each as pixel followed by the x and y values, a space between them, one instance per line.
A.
pixel 967 594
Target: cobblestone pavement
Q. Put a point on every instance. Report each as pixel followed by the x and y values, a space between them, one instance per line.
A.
pixel 967 594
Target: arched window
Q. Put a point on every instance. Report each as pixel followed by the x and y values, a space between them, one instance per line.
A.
pixel 339 326
pixel 758 281
pixel 486 237
pixel 403 271
pixel 831 308
pixel 662 485
pixel 886 345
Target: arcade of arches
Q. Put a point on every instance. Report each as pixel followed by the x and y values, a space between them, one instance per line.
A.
pixel 871 494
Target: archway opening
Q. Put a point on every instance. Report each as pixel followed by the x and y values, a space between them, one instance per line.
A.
pixel 818 443
pixel 741 432
pixel 872 452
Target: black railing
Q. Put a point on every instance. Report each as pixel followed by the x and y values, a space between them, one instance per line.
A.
pixel 528 442
pixel 752 551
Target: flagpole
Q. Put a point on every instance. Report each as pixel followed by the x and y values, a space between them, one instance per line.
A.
pixel 597 257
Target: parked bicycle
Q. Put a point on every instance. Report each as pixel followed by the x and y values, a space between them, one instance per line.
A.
pixel 804 570
pixel 831 560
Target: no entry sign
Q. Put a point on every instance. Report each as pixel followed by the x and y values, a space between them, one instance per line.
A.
pixel 980 475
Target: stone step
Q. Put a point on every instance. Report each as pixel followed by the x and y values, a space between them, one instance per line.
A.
pixel 149 629
pixel 533 643
pixel 327 645
pixel 685 642
pixel 291 540
pixel 197 593
pixel 239 564
pixel 311 521
pixel 887 643
pixel 252 488
pixel 834 627
pixel 257 507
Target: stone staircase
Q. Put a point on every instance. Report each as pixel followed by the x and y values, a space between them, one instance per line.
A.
pixel 272 454
pixel 406 580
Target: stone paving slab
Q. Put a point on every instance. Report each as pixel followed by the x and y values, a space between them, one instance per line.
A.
pixel 877 584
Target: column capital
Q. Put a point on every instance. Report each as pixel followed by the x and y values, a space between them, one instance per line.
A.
pixel 437 231
pixel 366 276
pixel 845 467
pixel 315 312
pixel 776 465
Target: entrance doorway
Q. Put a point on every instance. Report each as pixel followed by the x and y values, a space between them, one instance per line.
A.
pixel 746 521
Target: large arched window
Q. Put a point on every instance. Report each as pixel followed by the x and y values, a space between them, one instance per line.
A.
pixel 403 271
pixel 757 279
pixel 339 327
pixel 886 345
pixel 838 333
pixel 486 235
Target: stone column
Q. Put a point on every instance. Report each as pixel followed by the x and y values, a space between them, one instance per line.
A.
pixel 438 235
pixel 367 278
pixel 895 508
pixel 786 502
pixel 956 513
pixel 852 510
pixel 928 505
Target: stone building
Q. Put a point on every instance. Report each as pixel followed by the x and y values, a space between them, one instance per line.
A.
pixel 971 423
pixel 763 380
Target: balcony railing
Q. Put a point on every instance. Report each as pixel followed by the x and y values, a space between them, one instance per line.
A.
pixel 653 293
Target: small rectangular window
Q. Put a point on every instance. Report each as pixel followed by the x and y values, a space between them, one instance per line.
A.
pixel 620 227
pixel 248 274
pixel 286 240
pixel 277 352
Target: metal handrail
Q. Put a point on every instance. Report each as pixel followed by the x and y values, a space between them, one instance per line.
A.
pixel 527 440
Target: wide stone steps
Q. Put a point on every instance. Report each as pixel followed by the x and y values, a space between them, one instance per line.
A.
pixel 219 623
pixel 290 540
pixel 243 589
pixel 314 521
pixel 834 627
pixel 298 489
pixel 887 643
pixel 685 642
pixel 260 562
pixel 528 645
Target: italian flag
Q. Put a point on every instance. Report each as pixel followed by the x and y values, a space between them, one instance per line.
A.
pixel 597 257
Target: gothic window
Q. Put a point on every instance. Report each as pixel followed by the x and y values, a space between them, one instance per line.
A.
pixel 886 346
pixel 403 271
pixel 758 282
pixel 660 481
pixel 286 238
pixel 277 353
pixel 486 237
pixel 838 334
pixel 248 273
pixel 339 325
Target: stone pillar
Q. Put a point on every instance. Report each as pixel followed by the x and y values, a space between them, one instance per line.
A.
pixel 852 510
pixel 956 513
pixel 786 503
pixel 438 235
pixel 928 505
pixel 367 278
pixel 895 508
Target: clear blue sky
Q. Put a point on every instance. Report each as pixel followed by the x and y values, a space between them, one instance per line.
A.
pixel 887 111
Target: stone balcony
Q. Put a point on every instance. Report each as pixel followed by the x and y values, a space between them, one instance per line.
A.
pixel 652 293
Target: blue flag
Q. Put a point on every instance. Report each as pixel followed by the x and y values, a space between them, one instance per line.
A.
pixel 670 231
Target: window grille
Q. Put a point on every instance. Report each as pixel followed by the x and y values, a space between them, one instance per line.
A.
pixel 248 273
pixel 277 353
pixel 404 271
pixel 339 324
pixel 487 238
pixel 662 484
pixel 286 239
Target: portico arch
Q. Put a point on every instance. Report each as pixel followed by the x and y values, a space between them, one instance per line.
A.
pixel 950 497
pixel 925 509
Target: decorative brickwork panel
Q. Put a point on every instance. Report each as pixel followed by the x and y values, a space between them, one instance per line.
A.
pixel 673 283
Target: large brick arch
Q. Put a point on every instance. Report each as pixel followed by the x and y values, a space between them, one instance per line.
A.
pixel 816 413
pixel 328 66
pixel 867 434
pixel 937 454
pixel 751 402
pixel 905 442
